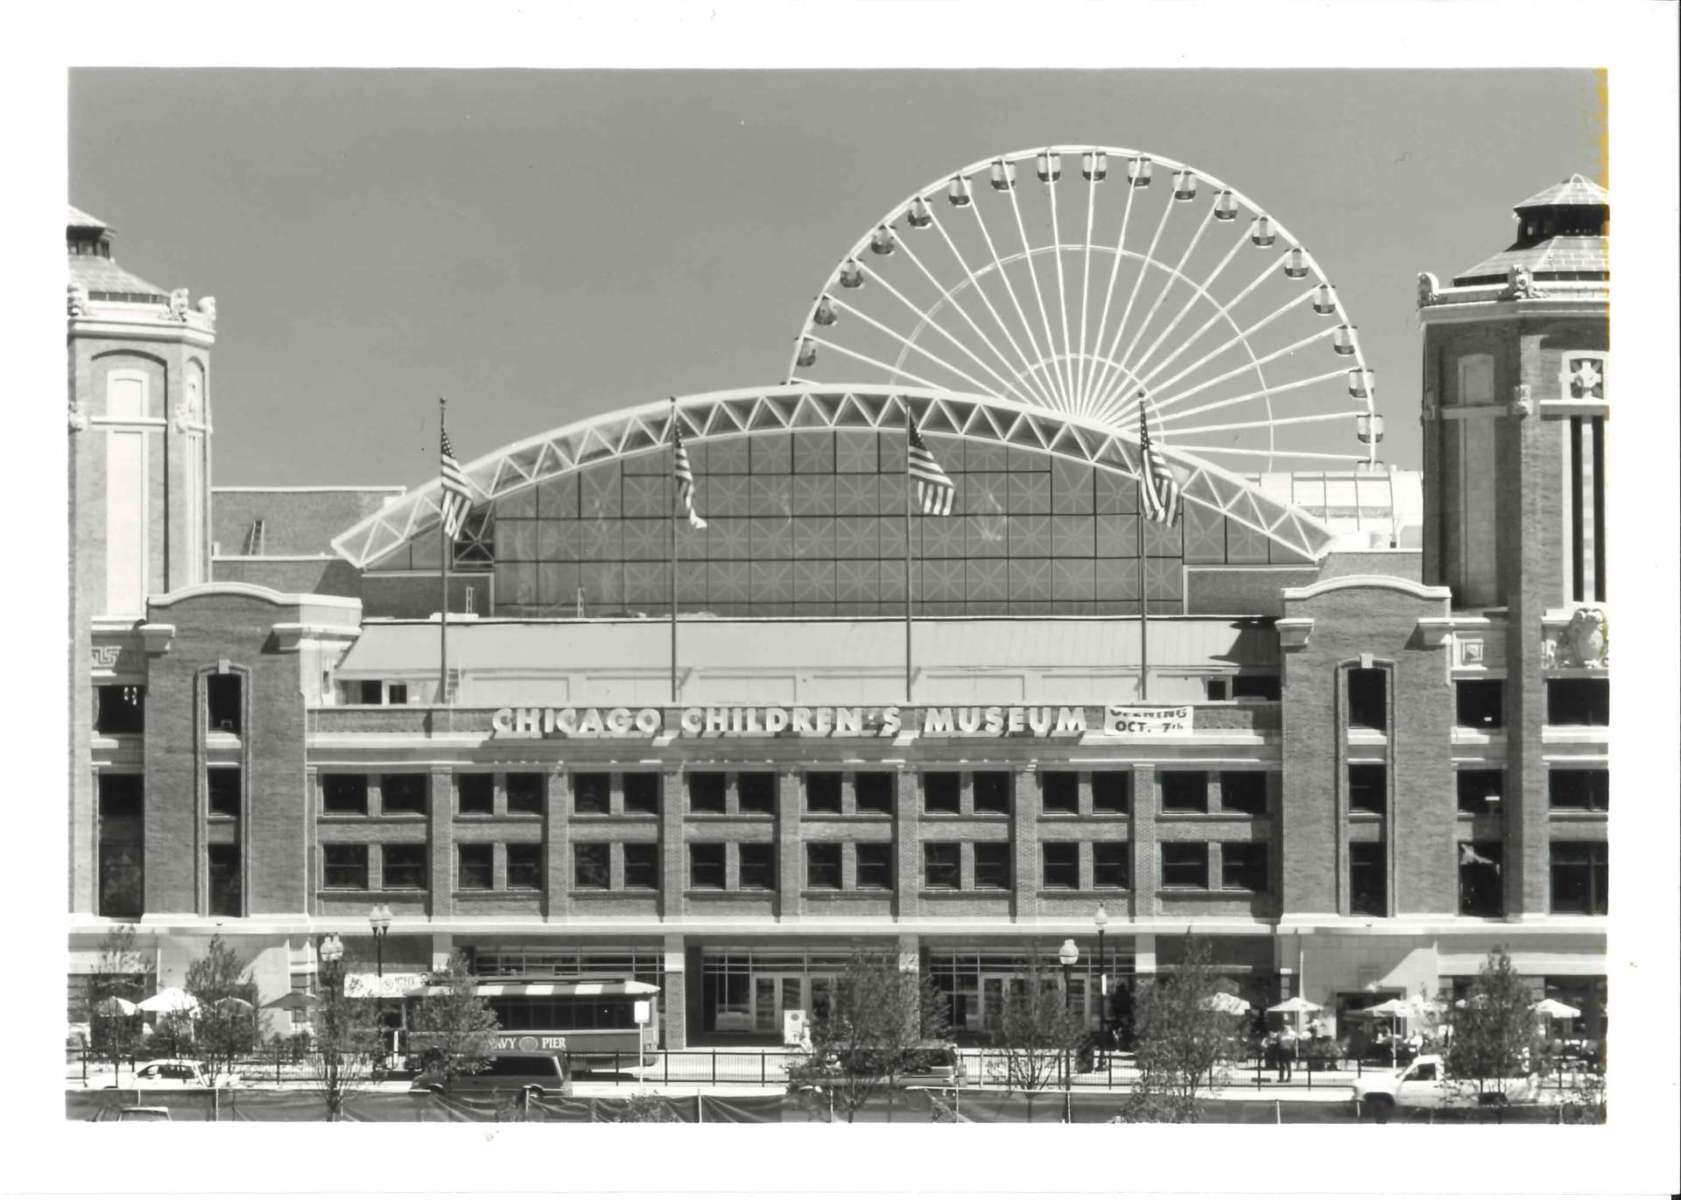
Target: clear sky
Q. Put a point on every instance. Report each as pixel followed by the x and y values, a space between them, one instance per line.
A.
pixel 541 246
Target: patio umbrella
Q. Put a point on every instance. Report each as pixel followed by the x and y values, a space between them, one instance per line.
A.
pixel 233 1006
pixel 293 1002
pixel 116 1006
pixel 1555 1009
pixel 1296 1005
pixel 1394 1009
pixel 171 1000
pixel 1225 1002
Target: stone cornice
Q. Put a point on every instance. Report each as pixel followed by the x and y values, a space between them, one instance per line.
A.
pixel 1391 583
pixel 289 635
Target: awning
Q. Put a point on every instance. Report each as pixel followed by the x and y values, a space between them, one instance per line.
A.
pixel 629 987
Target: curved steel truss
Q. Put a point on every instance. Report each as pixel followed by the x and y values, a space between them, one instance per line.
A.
pixel 754 411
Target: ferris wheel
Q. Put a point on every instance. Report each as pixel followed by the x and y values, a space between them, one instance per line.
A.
pixel 1096 294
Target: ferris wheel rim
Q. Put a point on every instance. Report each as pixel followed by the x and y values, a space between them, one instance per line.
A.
pixel 930 193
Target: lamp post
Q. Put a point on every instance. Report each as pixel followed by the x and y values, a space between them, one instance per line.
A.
pixel 330 1037
pixel 1067 955
pixel 1101 918
pixel 379 920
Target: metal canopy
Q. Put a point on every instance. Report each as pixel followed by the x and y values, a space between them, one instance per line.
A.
pixel 757 411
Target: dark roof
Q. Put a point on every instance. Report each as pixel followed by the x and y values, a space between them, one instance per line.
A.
pixel 1555 258
pixel 1561 235
pixel 81 220
pixel 1575 191
pixel 98 272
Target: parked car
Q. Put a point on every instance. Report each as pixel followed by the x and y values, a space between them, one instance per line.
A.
pixel 178 1073
pixel 930 1064
pixel 141 1113
pixel 1426 1084
pixel 540 1074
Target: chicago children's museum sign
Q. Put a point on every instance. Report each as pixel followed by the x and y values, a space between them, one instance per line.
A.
pixel 845 721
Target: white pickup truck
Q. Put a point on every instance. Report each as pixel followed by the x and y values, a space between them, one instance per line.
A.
pixel 1426 1084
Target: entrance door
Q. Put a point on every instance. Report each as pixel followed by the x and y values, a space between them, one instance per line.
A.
pixel 992 997
pixel 771 995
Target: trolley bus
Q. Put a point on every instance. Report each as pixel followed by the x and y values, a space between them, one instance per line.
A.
pixel 595 1023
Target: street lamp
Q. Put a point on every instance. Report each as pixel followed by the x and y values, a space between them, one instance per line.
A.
pixel 331 953
pixel 1101 918
pixel 1067 955
pixel 379 919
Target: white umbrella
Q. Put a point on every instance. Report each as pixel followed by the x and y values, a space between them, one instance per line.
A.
pixel 116 1006
pixel 1556 1009
pixel 1394 1007
pixel 1297 1006
pixel 171 1000
pixel 233 1005
pixel 1225 1002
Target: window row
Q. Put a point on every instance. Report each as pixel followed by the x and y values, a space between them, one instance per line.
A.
pixel 1569 789
pixel 1579 879
pixel 120 708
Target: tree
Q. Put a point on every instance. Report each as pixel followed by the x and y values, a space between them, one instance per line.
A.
pixel 345 1048
pixel 1495 1036
pixel 878 1018
pixel 228 1023
pixel 118 977
pixel 1181 1041
pixel 639 1108
pixel 1036 1032
pixel 454 1025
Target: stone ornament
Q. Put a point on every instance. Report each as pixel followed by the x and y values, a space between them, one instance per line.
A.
pixel 207 306
pixel 78 299
pixel 178 305
pixel 1523 401
pixel 1471 652
pixel 1428 288
pixel 78 418
pixel 1520 285
pixel 106 656
pixel 1584 376
pixel 1582 643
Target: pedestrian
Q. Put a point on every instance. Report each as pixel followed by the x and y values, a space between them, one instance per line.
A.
pixel 1286 1052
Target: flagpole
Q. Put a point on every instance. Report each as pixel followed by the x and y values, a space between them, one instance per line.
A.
pixel 671 519
pixel 443 579
pixel 908 427
pixel 1143 586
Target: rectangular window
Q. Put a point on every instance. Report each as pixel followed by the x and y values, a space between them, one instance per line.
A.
pixel 592 866
pixel 592 793
pixel 1579 788
pixel 398 693
pixel 757 862
pixel 403 793
pixel 706 864
pixel 872 792
pixel 1481 893
pixel 1256 687
pixel 706 793
pixel 992 865
pixel 345 867
pixel 1578 701
pixel 823 792
pixel 525 793
pixel 1184 865
pixel 1581 878
pixel 642 866
pixel 225 898
pixel 823 865
pixel 875 865
pixel 642 793
pixel 1111 865
pixel 121 845
pixel 525 866
pixel 344 794
pixel 222 703
pixel 1111 791
pixel 1060 862
pixel 475 867
pixel 121 709
pixel 404 867
pixel 370 691
pixel 1368 885
pixel 941 792
pixel 755 792
pixel 1480 790
pixel 1479 703
pixel 1368 786
pixel 1059 791
pixel 1184 791
pixel 475 795
pixel 1217 688
pixel 992 792
pixel 1368 699
pixel 1243 866
pixel 222 789
pixel 942 865
pixel 1244 792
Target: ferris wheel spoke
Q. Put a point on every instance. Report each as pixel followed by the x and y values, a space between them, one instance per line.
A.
pixel 1267 423
pixel 1220 310
pixel 1168 403
pixel 1028 375
pixel 1240 334
pixel 1251 452
pixel 1085 292
pixel 1198 290
pixel 1086 401
pixel 1009 287
pixel 928 319
pixel 1054 363
pixel 911 344
pixel 897 372
pixel 1277 390
pixel 1069 361
pixel 1144 264
pixel 1167 285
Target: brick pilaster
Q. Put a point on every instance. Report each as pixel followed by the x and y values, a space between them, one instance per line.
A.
pixel 907 837
pixel 1024 828
pixel 790 855
pixel 674 868
pixel 440 835
pixel 1142 837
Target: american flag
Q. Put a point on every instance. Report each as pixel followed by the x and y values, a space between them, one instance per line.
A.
pixel 934 488
pixel 685 475
pixel 1158 491
pixel 458 492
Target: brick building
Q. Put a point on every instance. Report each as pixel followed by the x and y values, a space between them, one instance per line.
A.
pixel 1364 744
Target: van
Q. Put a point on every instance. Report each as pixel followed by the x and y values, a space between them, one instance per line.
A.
pixel 934 1064
pixel 540 1074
